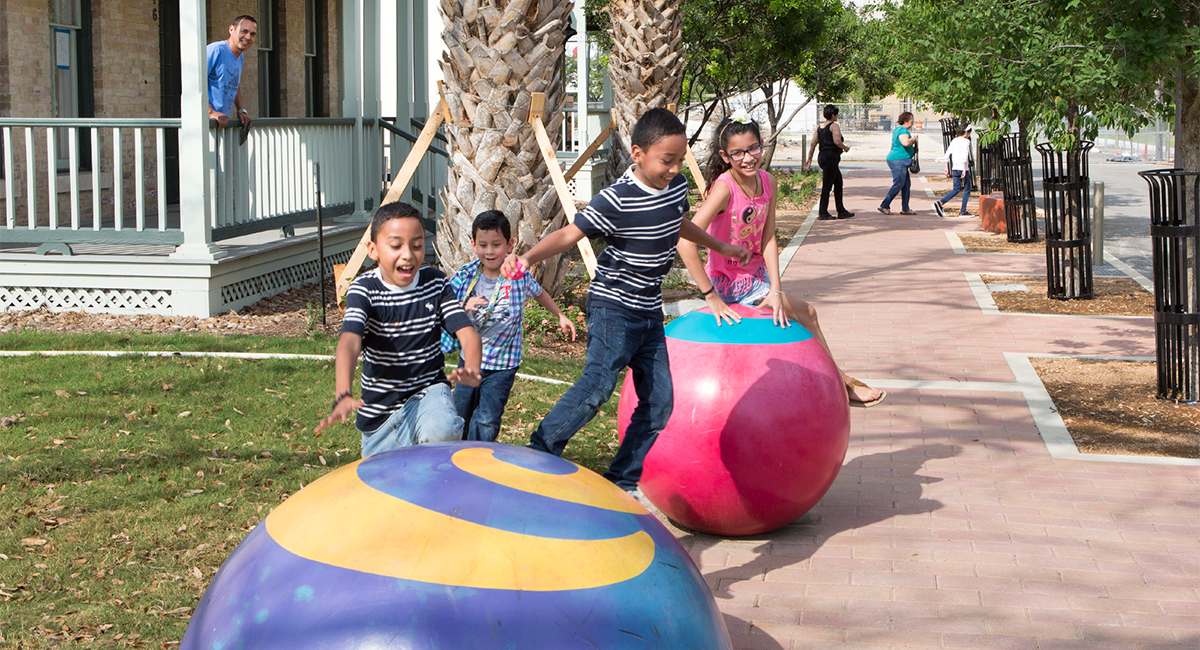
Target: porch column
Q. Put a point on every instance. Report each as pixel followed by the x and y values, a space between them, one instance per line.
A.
pixel 581 76
pixel 195 217
pixel 352 104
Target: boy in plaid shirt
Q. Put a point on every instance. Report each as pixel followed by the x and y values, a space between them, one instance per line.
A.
pixel 495 306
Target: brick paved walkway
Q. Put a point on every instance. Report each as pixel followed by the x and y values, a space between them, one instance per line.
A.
pixel 950 525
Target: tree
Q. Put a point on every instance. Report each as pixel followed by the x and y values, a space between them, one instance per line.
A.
pixel 645 66
pixel 497 55
pixel 767 47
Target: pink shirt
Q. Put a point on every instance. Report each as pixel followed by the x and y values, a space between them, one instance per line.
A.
pixel 740 223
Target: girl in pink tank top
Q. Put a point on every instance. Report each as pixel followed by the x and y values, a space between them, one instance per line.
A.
pixel 740 208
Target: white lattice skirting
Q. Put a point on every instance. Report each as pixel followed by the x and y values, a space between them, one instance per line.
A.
pixel 279 281
pixel 110 301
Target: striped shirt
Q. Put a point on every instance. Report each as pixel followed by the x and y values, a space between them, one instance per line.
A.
pixel 401 345
pixel 499 323
pixel 640 224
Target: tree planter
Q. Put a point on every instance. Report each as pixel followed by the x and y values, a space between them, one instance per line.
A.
pixel 1175 237
pixel 1068 221
pixel 1016 172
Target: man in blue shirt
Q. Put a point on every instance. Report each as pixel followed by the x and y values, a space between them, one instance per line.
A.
pixel 225 71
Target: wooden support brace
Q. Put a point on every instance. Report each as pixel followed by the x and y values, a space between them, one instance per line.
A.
pixel 395 191
pixel 536 108
pixel 588 153
pixel 690 158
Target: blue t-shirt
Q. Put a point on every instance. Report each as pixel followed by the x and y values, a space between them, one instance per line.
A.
pixel 224 75
pixel 640 224
pixel 899 151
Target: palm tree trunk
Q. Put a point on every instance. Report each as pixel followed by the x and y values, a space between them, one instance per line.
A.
pixel 646 67
pixel 497 56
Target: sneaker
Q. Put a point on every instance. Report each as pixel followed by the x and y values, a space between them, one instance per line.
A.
pixel 937 207
pixel 636 493
pixel 965 215
pixel 908 212
pixel 825 217
pixel 845 214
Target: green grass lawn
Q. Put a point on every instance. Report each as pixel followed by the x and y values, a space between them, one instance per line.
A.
pixel 126 482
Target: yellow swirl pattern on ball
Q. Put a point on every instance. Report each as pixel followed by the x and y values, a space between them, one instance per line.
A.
pixel 341 521
pixel 583 488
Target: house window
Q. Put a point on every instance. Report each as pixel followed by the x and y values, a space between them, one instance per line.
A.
pixel 269 104
pixel 314 80
pixel 64 35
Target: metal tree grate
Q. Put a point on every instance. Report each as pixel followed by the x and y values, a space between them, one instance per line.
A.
pixel 989 168
pixel 1016 174
pixel 1068 221
pixel 1175 238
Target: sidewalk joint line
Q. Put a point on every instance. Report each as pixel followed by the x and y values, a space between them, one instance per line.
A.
pixel 789 251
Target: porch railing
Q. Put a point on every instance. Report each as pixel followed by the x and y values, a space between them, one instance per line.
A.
pixel 267 182
pixel 87 181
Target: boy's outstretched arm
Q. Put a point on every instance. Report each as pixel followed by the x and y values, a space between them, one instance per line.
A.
pixel 694 233
pixel 548 304
pixel 472 354
pixel 348 348
pixel 556 242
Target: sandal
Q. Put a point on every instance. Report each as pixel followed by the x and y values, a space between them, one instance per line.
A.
pixel 907 212
pixel 885 210
pixel 854 383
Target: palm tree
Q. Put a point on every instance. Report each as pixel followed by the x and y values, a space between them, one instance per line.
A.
pixel 497 55
pixel 646 67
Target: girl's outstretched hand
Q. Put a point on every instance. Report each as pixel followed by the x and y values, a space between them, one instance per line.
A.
pixel 774 302
pixel 513 267
pixel 721 310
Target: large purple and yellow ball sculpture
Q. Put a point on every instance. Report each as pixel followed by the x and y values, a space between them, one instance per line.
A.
pixel 759 430
pixel 458 545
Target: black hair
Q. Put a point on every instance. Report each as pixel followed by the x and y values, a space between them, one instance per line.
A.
pixel 830 111
pixel 236 22
pixel 389 211
pixel 491 220
pixel 654 125
pixel 725 130
pixel 960 130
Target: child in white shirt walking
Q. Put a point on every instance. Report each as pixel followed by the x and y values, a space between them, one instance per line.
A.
pixel 959 153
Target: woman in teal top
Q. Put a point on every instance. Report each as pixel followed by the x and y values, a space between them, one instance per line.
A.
pixel 899 159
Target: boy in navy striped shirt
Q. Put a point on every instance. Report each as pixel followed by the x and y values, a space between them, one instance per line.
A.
pixel 394 316
pixel 641 218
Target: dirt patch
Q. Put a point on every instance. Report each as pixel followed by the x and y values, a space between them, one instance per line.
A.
pixel 997 243
pixel 1113 297
pixel 1110 407
pixel 291 314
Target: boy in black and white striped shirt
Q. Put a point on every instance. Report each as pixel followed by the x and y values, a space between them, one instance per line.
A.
pixel 394 317
pixel 640 217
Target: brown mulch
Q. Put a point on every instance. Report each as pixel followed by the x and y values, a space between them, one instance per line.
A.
pixel 997 243
pixel 1110 407
pixel 292 314
pixel 1112 297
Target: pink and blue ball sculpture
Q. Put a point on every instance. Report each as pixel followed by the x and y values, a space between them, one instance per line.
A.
pixel 458 545
pixel 759 429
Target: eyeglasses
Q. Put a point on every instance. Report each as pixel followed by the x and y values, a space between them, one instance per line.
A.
pixel 738 154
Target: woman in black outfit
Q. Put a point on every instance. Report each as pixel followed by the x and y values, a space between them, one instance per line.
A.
pixel 828 137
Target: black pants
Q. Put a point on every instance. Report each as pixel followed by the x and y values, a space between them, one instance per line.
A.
pixel 831 178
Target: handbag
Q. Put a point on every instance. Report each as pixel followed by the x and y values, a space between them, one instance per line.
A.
pixel 915 167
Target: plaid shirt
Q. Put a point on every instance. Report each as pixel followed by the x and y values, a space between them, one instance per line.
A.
pixel 501 331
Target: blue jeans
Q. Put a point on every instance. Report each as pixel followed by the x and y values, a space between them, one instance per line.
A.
pixel 901 183
pixel 481 407
pixel 616 338
pixel 423 418
pixel 962 182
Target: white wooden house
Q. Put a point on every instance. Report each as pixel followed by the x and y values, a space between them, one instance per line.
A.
pixel 109 214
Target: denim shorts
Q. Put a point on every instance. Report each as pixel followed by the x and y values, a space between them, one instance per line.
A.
pixel 428 416
pixel 749 290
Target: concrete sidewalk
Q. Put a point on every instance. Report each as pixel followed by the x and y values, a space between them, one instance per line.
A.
pixel 961 518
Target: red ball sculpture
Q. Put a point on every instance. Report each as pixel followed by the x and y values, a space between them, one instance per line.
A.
pixel 759 430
